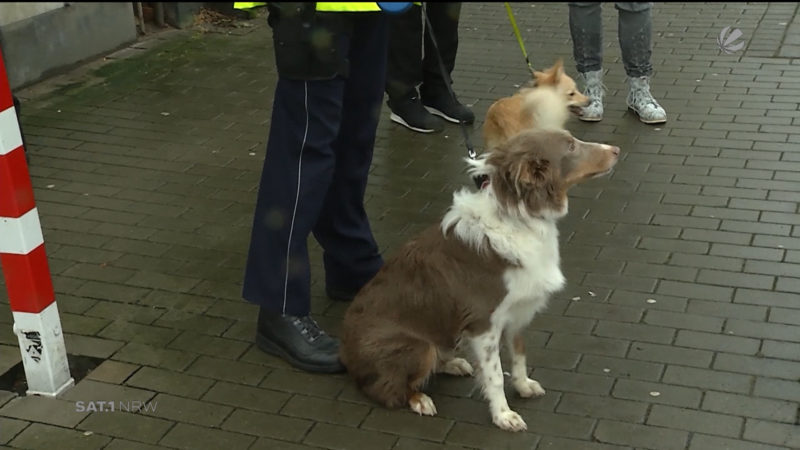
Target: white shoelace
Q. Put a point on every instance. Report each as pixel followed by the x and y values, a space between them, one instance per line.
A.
pixel 308 327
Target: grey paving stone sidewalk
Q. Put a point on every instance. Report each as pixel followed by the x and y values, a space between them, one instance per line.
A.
pixel 679 328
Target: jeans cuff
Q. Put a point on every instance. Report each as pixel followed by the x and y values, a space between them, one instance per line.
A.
pixel 638 73
pixel 589 68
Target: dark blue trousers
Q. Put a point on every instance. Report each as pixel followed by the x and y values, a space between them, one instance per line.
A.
pixel 314 178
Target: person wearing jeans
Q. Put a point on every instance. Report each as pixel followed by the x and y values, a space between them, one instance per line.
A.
pixel 635 31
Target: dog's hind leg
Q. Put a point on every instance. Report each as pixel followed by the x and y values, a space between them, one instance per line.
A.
pixel 525 387
pixel 422 404
pixel 417 400
pixel 451 365
pixel 402 366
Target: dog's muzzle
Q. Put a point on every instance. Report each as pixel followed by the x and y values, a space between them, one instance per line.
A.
pixel 577 110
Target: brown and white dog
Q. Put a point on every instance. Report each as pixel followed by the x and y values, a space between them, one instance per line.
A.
pixel 546 103
pixel 479 275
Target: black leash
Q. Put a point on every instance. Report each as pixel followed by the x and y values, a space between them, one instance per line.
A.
pixel 478 179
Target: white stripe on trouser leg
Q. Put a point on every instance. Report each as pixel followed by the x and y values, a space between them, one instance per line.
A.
pixel 20 235
pixel 296 200
pixel 422 13
pixel 43 353
pixel 10 139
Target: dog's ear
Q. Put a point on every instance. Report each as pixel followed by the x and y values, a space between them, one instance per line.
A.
pixel 524 181
pixel 551 75
pixel 558 70
pixel 539 78
pixel 531 183
pixel 528 173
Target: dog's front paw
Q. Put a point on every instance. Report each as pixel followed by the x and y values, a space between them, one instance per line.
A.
pixel 422 404
pixel 458 367
pixel 528 388
pixel 510 421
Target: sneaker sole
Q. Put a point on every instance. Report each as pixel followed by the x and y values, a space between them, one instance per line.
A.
pixel 590 119
pixel 270 348
pixel 649 122
pixel 444 116
pixel 397 119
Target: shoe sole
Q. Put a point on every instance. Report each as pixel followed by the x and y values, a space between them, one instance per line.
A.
pixel 270 348
pixel 649 122
pixel 590 119
pixel 444 116
pixel 398 119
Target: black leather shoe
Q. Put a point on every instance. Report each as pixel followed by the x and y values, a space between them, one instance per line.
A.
pixel 299 341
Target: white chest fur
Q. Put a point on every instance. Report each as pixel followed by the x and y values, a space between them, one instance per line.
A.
pixel 530 244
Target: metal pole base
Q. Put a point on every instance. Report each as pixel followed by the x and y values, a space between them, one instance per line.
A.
pixel 44 355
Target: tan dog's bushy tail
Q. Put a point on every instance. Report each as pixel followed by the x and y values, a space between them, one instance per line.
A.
pixel 545 107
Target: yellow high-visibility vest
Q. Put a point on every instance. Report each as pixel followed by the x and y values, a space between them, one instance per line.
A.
pixel 247 5
pixel 348 6
pixel 326 6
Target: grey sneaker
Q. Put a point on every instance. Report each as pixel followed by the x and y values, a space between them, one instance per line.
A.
pixel 594 89
pixel 641 101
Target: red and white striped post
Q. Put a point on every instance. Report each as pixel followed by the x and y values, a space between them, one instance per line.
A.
pixel 24 262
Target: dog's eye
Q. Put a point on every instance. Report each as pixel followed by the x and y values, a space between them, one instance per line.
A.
pixel 571 94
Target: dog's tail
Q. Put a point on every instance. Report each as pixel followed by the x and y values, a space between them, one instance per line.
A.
pixel 546 107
